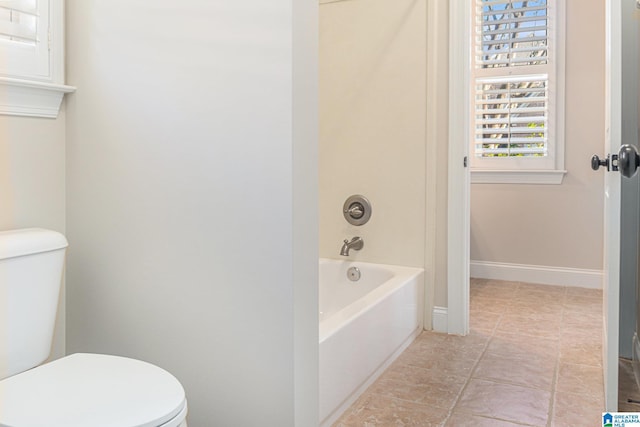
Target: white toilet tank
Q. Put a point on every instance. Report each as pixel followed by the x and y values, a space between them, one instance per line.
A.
pixel 31 263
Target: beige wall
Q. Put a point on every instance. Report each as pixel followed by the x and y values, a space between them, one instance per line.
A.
pixel 32 183
pixel 556 225
pixel 192 201
pixel 372 126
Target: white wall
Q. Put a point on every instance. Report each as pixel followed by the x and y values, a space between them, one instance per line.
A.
pixel 32 183
pixel 372 126
pixel 556 225
pixel 192 204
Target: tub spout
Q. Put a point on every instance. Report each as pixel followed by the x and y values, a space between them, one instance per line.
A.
pixel 356 244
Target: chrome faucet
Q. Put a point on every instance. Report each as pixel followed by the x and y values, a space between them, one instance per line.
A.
pixel 356 244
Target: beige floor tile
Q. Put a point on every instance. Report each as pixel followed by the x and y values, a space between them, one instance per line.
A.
pixel 415 375
pixel 577 410
pixel 427 341
pixel 474 341
pixel 483 321
pixel 580 379
pixel 523 346
pixel 446 360
pixel 488 305
pixel 535 372
pixel 430 337
pixel 427 387
pixel 551 312
pixel 581 335
pixel 495 289
pixel 583 304
pixel 459 419
pixel 542 292
pixel 431 343
pixel 505 402
pixel 374 410
pixel 582 320
pixel 467 347
pixel 583 292
pixel 579 352
pixel 529 326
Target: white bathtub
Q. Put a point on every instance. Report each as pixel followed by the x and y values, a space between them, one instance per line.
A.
pixel 364 326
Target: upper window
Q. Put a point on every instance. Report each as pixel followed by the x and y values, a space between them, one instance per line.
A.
pixel 24 39
pixel 32 57
pixel 517 91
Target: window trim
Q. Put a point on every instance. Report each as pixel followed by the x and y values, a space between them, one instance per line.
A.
pixel 549 176
pixel 515 172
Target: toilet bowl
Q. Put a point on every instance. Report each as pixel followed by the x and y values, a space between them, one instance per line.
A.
pixel 79 390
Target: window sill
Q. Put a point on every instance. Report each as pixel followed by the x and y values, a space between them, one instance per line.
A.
pixel 553 177
pixel 31 98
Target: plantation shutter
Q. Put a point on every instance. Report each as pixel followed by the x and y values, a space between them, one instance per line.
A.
pixel 512 90
pixel 511 117
pixel 19 21
pixel 511 33
pixel 25 39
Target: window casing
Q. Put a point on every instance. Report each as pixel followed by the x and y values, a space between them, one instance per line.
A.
pixel 517 91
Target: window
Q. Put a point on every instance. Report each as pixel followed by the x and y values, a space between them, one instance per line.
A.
pixel 24 38
pixel 517 109
pixel 31 48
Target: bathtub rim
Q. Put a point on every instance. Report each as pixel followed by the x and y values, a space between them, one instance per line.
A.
pixel 342 317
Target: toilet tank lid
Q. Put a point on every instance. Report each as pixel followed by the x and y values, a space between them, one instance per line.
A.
pixel 28 241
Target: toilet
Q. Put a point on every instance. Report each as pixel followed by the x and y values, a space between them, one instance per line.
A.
pixel 78 390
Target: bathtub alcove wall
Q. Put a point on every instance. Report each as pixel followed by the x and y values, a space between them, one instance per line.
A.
pixel 372 105
pixel 372 101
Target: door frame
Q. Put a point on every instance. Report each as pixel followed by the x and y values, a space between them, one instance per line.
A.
pixel 611 263
pixel 458 224
pixel 458 208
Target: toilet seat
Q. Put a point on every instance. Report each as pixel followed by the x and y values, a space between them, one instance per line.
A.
pixel 94 390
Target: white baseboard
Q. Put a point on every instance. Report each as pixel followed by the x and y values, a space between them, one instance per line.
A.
pixel 440 321
pixel 558 276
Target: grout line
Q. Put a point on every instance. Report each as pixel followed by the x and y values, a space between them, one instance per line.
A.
pixel 520 423
pixel 471 372
pixel 556 373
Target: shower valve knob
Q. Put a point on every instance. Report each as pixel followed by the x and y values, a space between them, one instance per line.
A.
pixel 356 211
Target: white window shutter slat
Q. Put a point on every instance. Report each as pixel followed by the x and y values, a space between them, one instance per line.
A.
pixel 510 32
pixel 19 21
pixel 511 117
pixel 25 6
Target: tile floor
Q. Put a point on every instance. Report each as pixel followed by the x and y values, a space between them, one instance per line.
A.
pixel 533 357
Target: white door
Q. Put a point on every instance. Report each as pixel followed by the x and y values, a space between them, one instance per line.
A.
pixel 613 141
pixel 621 43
